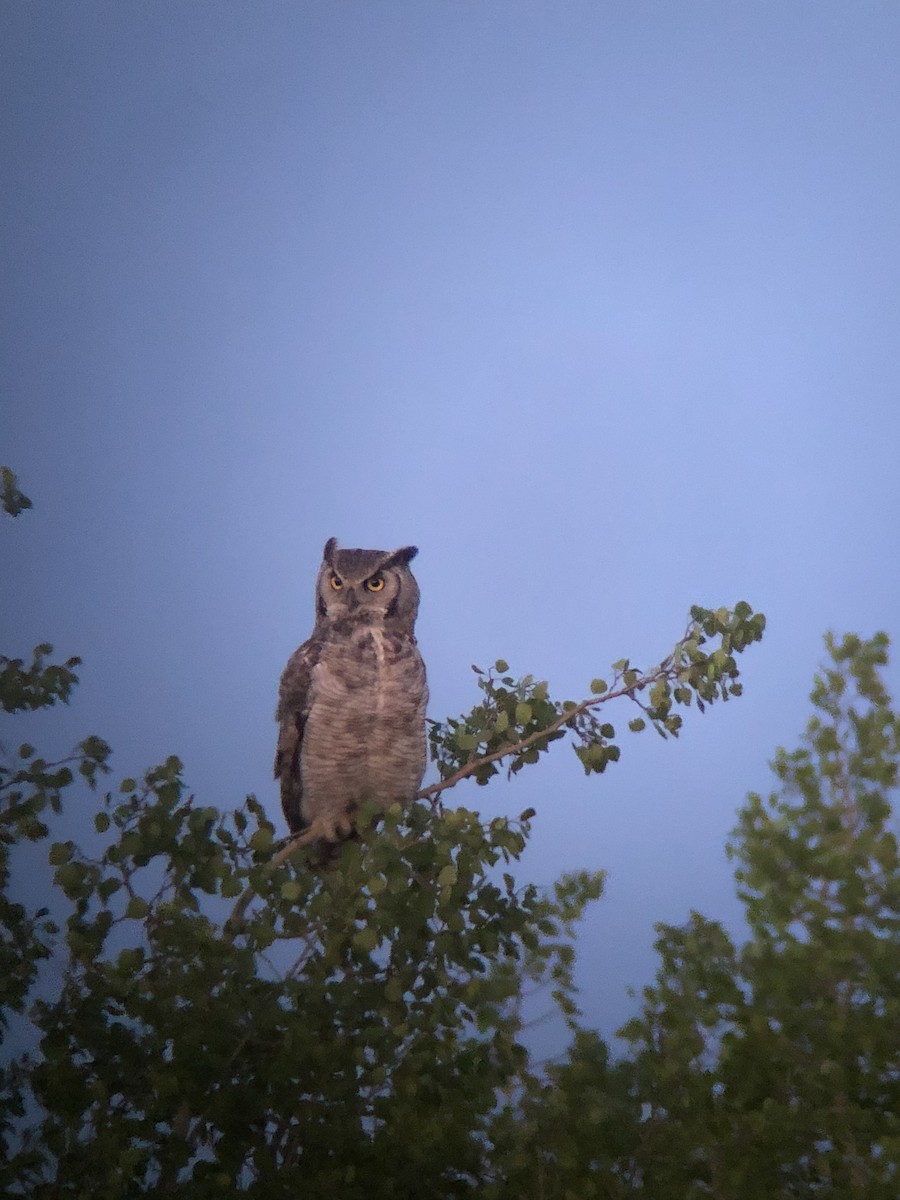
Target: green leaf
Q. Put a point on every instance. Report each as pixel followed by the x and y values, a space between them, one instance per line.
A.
pixel 71 878
pixel 262 838
pixel 130 961
pixel 599 686
pixel 365 940
pixel 14 500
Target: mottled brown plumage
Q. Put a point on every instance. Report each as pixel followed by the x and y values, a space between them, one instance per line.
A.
pixel 351 705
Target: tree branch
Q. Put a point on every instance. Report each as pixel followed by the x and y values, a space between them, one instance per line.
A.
pixel 565 718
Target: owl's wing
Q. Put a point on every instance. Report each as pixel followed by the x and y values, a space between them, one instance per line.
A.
pixel 293 707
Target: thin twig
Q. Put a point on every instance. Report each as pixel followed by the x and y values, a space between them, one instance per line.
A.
pixel 317 830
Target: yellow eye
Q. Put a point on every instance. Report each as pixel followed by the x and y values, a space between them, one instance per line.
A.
pixel 375 584
pixel 336 582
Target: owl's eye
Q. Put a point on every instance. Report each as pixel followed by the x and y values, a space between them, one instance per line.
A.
pixel 375 584
pixel 336 582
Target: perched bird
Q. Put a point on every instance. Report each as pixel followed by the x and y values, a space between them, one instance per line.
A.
pixel 351 705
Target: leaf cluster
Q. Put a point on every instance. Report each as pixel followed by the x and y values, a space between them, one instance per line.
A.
pixel 516 720
pixel 39 685
pixel 12 498
pixel 513 712
pixel 344 1013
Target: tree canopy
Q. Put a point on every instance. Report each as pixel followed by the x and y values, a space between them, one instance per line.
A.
pixel 202 1009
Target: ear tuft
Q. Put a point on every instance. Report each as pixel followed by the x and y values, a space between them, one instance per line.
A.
pixel 328 552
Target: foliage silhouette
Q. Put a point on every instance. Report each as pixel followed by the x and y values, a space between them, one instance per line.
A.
pixel 226 1017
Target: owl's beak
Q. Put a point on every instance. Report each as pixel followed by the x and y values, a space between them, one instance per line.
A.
pixel 352 602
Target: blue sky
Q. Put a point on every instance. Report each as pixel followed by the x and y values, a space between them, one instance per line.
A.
pixel 597 303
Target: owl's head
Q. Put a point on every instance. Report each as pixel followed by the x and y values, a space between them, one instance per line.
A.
pixel 367 585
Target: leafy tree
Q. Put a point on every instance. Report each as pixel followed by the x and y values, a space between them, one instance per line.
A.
pixel 228 1018
pixel 774 1070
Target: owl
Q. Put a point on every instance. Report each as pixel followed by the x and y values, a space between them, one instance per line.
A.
pixel 351 704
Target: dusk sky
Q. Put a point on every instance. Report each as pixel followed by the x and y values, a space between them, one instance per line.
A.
pixel 597 303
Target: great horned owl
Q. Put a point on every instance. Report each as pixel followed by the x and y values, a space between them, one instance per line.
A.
pixel 351 705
